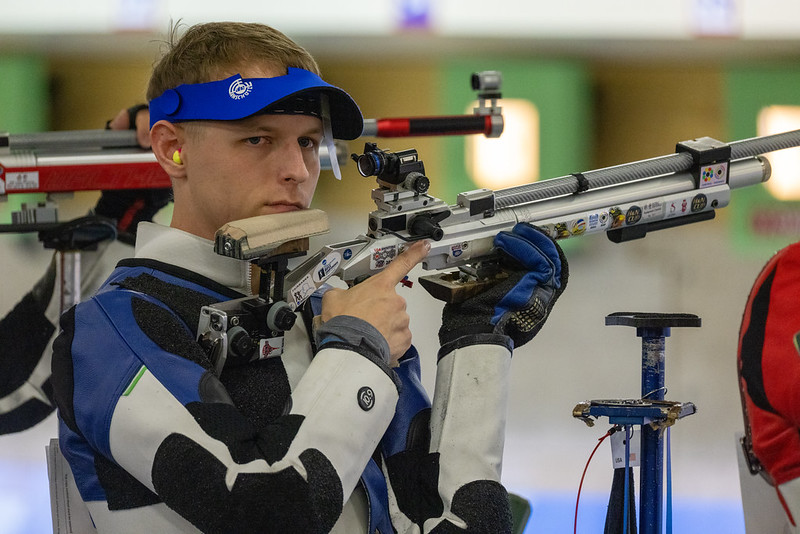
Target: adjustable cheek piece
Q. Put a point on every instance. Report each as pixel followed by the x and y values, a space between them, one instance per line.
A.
pixel 240 331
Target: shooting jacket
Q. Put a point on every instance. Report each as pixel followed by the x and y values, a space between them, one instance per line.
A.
pixel 325 441
pixel 769 371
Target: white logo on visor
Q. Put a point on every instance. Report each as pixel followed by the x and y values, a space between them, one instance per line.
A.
pixel 239 89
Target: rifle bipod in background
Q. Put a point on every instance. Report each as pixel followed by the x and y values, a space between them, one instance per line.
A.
pixel 651 412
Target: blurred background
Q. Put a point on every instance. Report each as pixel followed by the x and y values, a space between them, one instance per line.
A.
pixel 598 83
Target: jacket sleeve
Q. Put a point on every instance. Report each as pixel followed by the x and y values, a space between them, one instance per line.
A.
pixel 780 356
pixel 444 460
pixel 769 365
pixel 163 418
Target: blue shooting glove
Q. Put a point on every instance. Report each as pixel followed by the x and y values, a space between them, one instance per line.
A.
pixel 517 306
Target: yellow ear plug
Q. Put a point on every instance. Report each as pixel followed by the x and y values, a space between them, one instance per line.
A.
pixel 176 157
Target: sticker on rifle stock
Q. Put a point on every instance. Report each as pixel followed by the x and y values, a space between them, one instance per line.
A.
pixel 577 227
pixel 22 181
pixel 302 290
pixel 678 207
pixel 559 230
pixel 699 202
pixel 381 257
pixel 653 210
pixel 617 217
pixel 326 267
pixel 458 249
pixel 711 175
pixel 598 221
pixel 633 215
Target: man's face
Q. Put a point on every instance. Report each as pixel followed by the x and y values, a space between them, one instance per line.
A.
pixel 260 165
pixel 256 166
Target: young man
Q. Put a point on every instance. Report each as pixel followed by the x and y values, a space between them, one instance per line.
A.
pixel 338 438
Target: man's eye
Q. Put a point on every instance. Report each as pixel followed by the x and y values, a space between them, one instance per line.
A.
pixel 254 140
pixel 306 142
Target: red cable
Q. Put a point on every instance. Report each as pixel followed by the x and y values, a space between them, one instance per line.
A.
pixel 578 500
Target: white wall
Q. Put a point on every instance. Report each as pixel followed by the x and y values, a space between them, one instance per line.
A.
pixel 622 19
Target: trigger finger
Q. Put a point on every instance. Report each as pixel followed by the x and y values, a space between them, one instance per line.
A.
pixel 399 268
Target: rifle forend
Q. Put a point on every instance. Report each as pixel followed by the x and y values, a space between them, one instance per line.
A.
pixel 625 201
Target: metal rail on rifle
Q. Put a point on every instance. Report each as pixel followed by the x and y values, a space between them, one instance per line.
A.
pixel 624 201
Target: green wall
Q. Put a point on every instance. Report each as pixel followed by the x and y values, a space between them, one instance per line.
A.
pixel 24 107
pixel 748 89
pixel 23 94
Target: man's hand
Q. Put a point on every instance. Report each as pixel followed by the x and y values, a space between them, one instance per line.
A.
pixel 518 306
pixel 136 118
pixel 376 301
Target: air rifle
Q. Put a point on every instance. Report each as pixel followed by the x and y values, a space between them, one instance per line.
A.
pixel 625 202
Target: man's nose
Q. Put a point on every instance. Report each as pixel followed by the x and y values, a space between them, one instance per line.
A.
pixel 293 164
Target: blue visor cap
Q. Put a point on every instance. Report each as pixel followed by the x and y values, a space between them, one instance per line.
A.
pixel 237 98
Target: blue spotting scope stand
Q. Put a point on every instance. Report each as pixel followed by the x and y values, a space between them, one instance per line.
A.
pixel 651 412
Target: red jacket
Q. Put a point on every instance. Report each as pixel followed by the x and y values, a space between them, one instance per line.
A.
pixel 769 366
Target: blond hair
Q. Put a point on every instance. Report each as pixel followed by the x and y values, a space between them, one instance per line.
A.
pixel 216 50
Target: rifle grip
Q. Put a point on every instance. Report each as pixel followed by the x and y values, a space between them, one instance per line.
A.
pixel 453 287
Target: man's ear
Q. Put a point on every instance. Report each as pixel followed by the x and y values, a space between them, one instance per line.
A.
pixel 167 139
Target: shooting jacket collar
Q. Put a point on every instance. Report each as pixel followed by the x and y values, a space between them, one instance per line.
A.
pixel 196 254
